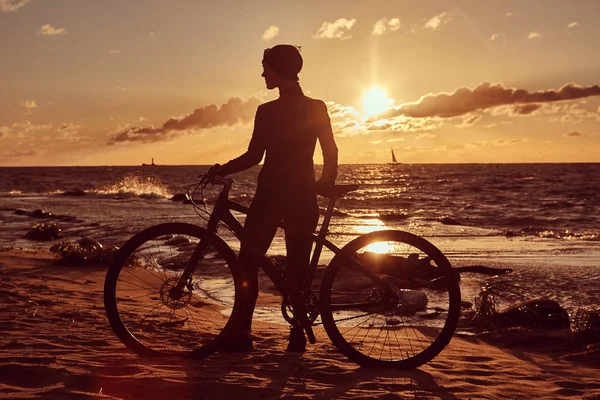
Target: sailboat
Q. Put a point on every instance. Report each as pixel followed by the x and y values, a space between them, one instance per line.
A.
pixel 394 161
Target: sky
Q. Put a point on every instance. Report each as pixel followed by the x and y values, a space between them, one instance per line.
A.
pixel 99 82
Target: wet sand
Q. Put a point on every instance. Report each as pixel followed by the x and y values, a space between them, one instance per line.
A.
pixel 56 343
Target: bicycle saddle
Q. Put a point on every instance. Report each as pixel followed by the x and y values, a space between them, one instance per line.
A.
pixel 336 190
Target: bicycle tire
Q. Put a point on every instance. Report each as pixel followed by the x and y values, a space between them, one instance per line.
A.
pixel 138 303
pixel 425 312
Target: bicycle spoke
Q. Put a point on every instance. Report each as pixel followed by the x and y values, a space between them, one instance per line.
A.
pixel 160 313
pixel 400 304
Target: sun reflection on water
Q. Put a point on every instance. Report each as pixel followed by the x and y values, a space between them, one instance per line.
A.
pixel 374 226
pixel 371 226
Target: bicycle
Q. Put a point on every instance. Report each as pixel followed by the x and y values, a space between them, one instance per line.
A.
pixel 387 298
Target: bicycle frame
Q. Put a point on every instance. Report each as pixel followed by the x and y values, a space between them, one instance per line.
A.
pixel 222 212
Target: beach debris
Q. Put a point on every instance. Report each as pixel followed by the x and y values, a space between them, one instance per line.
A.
pixel 535 313
pixel 178 240
pixel 39 213
pixel 180 197
pixel 176 263
pixel 450 221
pixel 414 268
pixel 541 313
pixel 410 268
pixel 586 324
pixel 411 302
pixel 44 232
pixel 85 252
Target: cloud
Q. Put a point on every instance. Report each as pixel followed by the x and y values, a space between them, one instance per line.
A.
pixel 27 127
pixel 573 25
pixel 508 14
pixel 12 5
pixel 496 143
pixel 526 109
pixel 335 30
pixel 270 33
pixel 469 120
pixel 235 110
pixel 574 134
pixel 68 126
pixel 336 110
pixel 486 95
pixel 18 154
pixel 495 36
pixel 384 25
pixel 534 35
pixel 113 52
pixel 49 30
pixel 568 113
pixel 29 105
pixel 439 20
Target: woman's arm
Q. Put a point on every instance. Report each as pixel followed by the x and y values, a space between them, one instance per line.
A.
pixel 255 152
pixel 328 147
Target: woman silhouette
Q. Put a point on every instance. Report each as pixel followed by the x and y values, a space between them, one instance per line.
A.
pixel 286 129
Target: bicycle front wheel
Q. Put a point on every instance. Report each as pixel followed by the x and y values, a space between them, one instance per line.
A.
pixel 149 316
pixel 397 306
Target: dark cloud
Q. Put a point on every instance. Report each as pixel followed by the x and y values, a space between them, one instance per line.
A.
pixel 526 108
pixel 574 134
pixel 234 111
pixel 487 95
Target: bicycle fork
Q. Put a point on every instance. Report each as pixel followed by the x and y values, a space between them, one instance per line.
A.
pixel 197 256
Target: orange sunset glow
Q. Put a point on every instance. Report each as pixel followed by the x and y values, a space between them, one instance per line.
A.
pixel 118 83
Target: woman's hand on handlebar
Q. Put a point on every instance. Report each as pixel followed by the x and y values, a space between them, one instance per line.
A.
pixel 214 170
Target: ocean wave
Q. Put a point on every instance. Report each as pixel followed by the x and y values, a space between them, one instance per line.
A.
pixel 564 234
pixel 134 186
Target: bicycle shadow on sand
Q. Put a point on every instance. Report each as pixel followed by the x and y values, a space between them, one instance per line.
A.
pixel 263 374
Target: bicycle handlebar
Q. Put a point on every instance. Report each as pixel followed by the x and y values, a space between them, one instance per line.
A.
pixel 216 179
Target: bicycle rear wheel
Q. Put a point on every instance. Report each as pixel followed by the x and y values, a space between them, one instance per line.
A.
pixel 402 323
pixel 142 309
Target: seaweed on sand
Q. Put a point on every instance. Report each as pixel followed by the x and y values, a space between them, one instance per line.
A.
pixel 86 252
pixel 43 231
pixel 487 301
pixel 586 324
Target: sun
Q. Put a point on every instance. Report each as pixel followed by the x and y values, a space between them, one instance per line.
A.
pixel 375 101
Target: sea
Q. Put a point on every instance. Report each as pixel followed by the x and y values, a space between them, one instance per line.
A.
pixel 541 220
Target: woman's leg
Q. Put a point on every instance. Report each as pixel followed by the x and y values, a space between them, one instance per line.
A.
pixel 300 221
pixel 259 229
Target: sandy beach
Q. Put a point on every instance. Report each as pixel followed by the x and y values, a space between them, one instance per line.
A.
pixel 56 343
